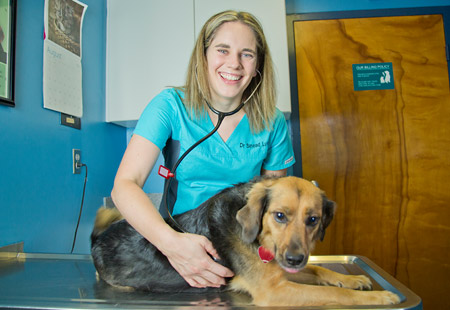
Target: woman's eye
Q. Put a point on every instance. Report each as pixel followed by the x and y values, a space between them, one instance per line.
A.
pixel 222 51
pixel 245 55
pixel 280 217
pixel 312 221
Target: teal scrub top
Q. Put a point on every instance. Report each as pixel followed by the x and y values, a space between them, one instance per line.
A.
pixel 214 164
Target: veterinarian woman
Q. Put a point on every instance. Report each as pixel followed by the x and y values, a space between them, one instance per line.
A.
pixel 230 64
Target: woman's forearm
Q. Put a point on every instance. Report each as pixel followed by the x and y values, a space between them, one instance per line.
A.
pixel 135 206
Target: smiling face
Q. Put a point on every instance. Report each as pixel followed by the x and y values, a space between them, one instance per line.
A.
pixel 232 60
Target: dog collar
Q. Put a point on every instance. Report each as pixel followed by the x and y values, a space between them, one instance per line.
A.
pixel 265 255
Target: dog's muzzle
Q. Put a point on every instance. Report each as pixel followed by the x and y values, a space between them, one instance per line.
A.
pixel 294 260
pixel 293 263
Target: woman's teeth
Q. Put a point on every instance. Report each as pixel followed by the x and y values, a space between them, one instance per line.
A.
pixel 230 77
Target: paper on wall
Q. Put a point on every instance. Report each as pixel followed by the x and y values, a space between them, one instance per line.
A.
pixel 63 20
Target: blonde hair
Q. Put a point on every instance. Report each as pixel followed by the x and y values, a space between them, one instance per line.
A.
pixel 260 108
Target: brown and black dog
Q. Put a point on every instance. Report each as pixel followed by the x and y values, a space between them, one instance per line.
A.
pixel 263 230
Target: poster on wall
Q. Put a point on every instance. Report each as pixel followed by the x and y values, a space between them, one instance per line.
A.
pixel 373 76
pixel 7 44
pixel 62 56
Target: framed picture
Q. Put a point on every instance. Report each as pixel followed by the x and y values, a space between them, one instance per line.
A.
pixel 7 50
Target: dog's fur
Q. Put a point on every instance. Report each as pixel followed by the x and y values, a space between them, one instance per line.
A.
pixel 285 215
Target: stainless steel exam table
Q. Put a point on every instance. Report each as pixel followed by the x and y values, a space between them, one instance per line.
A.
pixel 66 281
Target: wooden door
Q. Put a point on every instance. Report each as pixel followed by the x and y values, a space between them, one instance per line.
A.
pixel 383 155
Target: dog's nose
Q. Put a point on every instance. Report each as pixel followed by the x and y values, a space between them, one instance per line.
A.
pixel 294 260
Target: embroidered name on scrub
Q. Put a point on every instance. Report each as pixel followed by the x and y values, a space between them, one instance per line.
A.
pixel 253 145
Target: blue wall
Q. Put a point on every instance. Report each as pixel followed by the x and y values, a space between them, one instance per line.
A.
pixel 39 196
pixel 310 6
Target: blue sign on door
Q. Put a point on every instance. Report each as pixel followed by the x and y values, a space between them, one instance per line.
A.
pixel 373 76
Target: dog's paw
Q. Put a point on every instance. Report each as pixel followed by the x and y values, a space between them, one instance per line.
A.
pixel 389 298
pixel 374 298
pixel 359 282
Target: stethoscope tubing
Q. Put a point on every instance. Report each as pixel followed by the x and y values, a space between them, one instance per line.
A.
pixel 221 116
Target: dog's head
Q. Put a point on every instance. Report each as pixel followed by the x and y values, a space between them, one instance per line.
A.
pixel 286 215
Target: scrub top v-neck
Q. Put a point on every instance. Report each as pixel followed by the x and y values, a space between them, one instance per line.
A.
pixel 214 164
pixel 218 131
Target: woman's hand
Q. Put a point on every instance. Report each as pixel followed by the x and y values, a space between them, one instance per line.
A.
pixel 188 255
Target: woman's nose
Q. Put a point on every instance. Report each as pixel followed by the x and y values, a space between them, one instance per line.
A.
pixel 234 61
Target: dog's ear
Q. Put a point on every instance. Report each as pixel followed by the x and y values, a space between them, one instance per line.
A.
pixel 250 216
pixel 328 209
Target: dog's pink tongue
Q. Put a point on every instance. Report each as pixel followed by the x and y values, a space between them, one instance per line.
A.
pixel 291 270
pixel 265 255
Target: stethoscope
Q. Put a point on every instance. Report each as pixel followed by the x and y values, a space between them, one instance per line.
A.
pixel 170 174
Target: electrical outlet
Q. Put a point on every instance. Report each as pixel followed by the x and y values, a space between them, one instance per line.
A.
pixel 76 161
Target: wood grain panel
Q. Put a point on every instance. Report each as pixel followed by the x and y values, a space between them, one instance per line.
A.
pixel 382 155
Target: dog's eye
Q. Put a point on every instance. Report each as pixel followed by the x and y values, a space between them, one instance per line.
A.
pixel 312 221
pixel 280 217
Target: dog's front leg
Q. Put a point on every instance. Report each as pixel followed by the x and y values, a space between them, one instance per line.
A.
pixel 317 275
pixel 288 293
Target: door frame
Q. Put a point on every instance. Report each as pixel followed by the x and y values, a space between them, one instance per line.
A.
pixel 292 18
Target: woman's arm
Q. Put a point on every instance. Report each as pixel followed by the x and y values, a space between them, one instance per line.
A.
pixel 187 253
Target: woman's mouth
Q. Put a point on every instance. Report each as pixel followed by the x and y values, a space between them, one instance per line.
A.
pixel 230 77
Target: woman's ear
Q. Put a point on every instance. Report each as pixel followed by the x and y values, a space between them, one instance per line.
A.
pixel 249 217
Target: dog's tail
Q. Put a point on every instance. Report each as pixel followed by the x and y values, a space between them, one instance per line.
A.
pixel 105 217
